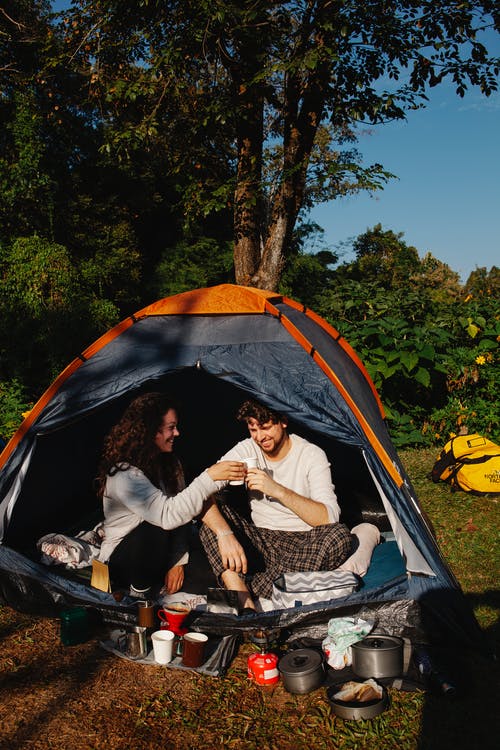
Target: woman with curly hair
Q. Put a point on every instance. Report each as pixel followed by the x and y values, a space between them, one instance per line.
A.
pixel 145 501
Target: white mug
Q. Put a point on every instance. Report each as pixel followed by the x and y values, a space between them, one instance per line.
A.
pixel 163 645
pixel 252 463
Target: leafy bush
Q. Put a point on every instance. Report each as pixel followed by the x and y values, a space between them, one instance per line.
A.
pixel 53 307
pixel 473 384
pixel 13 404
pixel 434 362
pixel 192 264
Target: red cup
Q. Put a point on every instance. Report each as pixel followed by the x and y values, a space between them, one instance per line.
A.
pixel 172 618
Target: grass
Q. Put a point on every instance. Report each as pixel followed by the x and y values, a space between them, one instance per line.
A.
pixel 53 696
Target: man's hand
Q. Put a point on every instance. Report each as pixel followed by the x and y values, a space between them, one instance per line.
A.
pixel 258 479
pixel 232 553
pixel 174 578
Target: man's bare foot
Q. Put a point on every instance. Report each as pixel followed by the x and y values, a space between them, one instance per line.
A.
pixel 234 582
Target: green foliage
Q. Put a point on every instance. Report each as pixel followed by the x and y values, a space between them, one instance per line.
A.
pixel 113 272
pixel 383 257
pixel 189 265
pixel 400 346
pixel 13 404
pixel 304 277
pixel 41 297
pixel 255 106
pixel 473 377
pixel 25 186
pixel 432 353
pixel 308 267
pixel 40 279
pixel 49 310
pixel 103 314
pixel 483 284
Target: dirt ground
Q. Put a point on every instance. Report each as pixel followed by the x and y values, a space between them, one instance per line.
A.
pixel 82 696
pixel 56 696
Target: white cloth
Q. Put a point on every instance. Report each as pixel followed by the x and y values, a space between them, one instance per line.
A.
pixel 305 470
pixel 342 633
pixel 72 551
pixel 130 498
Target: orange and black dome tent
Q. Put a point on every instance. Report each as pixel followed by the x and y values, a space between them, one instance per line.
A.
pixel 213 348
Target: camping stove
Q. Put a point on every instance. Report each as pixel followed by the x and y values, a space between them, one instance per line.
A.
pixel 264 638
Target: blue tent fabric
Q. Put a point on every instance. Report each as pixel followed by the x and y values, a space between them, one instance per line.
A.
pixel 213 361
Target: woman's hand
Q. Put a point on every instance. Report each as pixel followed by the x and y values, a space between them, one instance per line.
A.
pixel 230 471
pixel 174 578
pixel 232 553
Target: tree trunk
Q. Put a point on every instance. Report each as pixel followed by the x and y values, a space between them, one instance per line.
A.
pixel 300 127
pixel 259 260
pixel 248 195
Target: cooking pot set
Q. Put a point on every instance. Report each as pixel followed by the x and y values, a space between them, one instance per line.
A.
pixel 377 656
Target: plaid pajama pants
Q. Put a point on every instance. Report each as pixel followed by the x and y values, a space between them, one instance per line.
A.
pixel 271 553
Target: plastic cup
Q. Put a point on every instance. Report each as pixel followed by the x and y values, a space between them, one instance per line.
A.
pixel 163 646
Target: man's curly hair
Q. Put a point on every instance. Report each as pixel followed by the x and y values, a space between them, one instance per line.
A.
pixel 253 410
pixel 131 442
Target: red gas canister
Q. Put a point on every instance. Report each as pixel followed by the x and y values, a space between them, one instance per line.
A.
pixel 263 668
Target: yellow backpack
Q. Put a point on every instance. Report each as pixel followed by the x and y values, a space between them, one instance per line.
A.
pixel 470 463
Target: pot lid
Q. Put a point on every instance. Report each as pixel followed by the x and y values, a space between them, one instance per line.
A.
pixel 378 643
pixel 300 662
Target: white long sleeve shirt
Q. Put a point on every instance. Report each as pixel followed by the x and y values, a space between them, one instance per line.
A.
pixel 130 498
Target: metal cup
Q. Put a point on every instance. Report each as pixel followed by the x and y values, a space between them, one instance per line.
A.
pixel 136 643
pixel 146 613
pixel 193 649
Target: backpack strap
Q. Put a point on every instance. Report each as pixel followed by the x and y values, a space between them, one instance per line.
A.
pixel 480 460
pixel 445 460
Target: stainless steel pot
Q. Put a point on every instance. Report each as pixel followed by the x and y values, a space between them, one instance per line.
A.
pixel 378 655
pixel 302 670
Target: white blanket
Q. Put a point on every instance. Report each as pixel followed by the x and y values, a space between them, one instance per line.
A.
pixel 72 551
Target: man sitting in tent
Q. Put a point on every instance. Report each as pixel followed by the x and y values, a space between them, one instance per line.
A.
pixel 294 520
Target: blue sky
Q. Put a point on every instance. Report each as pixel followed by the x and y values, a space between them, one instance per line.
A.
pixel 446 199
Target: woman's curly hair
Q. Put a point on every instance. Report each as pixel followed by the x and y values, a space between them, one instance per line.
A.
pixel 131 442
